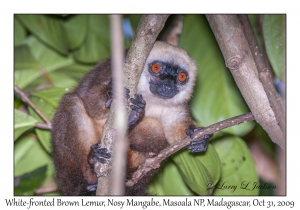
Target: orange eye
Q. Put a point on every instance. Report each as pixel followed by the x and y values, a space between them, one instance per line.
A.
pixel 155 68
pixel 182 77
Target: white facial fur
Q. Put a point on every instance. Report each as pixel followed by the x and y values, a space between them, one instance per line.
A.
pixel 165 52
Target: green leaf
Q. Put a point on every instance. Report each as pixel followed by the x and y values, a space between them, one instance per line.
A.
pixel 97 44
pixel 46 108
pixel 46 101
pixel 19 32
pixel 23 58
pixel 66 77
pixel 29 182
pixel 238 168
pixel 76 30
pixel 169 182
pixel 45 139
pixel 26 66
pixel 76 71
pixel 24 145
pixel 17 103
pixel 200 171
pixel 23 122
pixel 61 80
pixel 216 95
pixel 58 80
pixel 48 29
pixel 25 76
pixel 274 37
pixel 30 155
pixel 48 59
pixel 50 95
pixel 41 60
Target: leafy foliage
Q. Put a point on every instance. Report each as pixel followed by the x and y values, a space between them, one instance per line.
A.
pixel 27 183
pixel 238 168
pixel 274 37
pixel 97 44
pixel 29 156
pixel 188 174
pixel 169 182
pixel 76 37
pixel 23 122
pixel 48 30
pixel 42 59
pixel 215 90
pixel 20 32
pixel 201 172
pixel 53 52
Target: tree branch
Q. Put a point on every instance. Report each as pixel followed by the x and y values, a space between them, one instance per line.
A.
pixel 26 100
pixel 43 126
pixel 144 39
pixel 264 72
pixel 237 54
pixel 172 30
pixel 120 142
pixel 153 163
pixel 277 103
pixel 142 43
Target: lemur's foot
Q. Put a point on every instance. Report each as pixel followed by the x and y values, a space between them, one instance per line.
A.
pixel 137 109
pixel 100 154
pixel 198 145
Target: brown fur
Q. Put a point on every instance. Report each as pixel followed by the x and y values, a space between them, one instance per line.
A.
pixel 81 114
